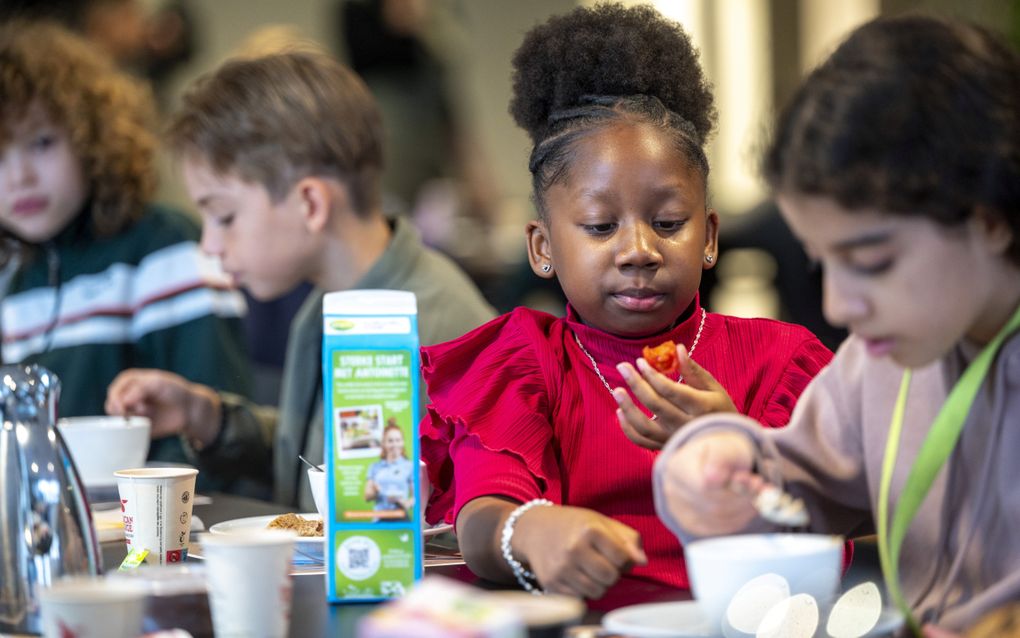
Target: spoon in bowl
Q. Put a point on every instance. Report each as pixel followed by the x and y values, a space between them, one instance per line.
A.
pixel 310 464
pixel 779 507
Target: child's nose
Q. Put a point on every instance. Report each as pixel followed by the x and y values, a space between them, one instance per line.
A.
pixel 17 169
pixel 211 241
pixel 842 305
pixel 638 247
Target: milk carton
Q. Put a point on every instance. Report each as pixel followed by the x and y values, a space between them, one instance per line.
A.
pixel 371 383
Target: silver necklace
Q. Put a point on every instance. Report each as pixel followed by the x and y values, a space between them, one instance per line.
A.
pixel 595 366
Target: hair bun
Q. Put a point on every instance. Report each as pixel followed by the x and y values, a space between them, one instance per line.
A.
pixel 608 50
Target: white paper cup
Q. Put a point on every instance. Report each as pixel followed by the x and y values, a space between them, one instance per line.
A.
pixel 92 608
pixel 720 567
pixel 156 506
pixel 249 582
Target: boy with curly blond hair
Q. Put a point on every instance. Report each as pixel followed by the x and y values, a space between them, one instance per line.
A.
pixel 103 280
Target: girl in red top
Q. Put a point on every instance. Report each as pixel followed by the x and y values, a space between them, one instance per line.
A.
pixel 530 410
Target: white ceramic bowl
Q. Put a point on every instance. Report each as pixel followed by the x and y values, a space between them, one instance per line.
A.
pixel 720 567
pixel 101 445
pixel 317 481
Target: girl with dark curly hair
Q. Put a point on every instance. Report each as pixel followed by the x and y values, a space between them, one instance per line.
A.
pixel 104 280
pixel 542 434
pixel 897 164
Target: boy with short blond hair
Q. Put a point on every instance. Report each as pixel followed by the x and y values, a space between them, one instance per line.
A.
pixel 282 154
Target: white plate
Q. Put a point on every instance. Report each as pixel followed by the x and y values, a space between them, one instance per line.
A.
pixel 260 522
pixel 684 620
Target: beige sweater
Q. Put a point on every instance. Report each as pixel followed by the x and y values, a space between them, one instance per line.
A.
pixel 961 555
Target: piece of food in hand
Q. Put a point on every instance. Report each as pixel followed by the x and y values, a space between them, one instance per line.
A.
pixel 663 357
pixel 303 526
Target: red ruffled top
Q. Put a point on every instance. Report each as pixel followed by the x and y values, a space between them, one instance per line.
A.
pixel 518 411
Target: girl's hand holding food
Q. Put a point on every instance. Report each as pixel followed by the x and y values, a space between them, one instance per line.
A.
pixel 673 404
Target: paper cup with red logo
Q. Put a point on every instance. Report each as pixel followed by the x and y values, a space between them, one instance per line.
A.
pixel 248 574
pixel 156 506
pixel 92 608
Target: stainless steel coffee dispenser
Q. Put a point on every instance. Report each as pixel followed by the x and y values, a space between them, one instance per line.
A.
pixel 46 528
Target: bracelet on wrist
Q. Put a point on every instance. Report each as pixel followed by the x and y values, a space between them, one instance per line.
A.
pixel 525 578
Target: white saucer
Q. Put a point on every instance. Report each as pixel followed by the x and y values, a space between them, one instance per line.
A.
pixel 684 620
pixel 653 620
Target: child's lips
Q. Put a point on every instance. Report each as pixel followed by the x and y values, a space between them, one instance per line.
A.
pixel 879 347
pixel 641 301
pixel 29 205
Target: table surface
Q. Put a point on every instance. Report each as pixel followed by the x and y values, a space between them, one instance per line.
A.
pixel 311 615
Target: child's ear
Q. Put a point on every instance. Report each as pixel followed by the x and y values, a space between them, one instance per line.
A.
pixel 711 252
pixel 318 200
pixel 994 229
pixel 539 250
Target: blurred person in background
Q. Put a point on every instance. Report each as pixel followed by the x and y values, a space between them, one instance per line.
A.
pixel 104 279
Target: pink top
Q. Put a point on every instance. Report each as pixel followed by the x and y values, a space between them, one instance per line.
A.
pixel 519 412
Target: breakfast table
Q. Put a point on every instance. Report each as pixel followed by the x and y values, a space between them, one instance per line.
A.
pixel 311 615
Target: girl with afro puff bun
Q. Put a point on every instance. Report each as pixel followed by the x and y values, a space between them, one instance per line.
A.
pixel 543 430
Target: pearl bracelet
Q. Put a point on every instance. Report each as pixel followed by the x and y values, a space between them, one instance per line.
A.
pixel 523 576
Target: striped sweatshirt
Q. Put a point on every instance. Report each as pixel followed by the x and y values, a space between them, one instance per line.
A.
pixel 88 307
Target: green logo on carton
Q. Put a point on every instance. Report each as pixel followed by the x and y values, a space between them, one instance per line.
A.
pixel 341 324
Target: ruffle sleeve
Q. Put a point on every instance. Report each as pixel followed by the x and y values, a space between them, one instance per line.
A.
pixel 807 360
pixel 489 417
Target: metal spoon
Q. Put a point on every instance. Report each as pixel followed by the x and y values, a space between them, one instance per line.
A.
pixel 779 507
pixel 310 464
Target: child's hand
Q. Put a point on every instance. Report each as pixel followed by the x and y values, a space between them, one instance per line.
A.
pixel 576 551
pixel 673 404
pixel 708 483
pixel 931 631
pixel 172 403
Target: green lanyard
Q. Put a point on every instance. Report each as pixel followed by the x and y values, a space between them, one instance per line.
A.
pixel 935 449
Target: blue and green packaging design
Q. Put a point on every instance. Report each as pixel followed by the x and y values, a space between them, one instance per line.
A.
pixel 371 383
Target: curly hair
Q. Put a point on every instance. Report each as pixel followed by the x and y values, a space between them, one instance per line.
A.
pixel 107 115
pixel 912 115
pixel 275 118
pixel 585 69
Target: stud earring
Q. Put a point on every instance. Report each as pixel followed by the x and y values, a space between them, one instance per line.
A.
pixel 546 267
pixel 708 258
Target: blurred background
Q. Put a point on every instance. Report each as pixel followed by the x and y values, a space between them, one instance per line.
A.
pixel 457 164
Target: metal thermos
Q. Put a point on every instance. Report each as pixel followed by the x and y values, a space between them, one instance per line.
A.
pixel 46 527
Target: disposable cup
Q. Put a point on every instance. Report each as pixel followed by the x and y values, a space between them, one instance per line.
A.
pixel 92 608
pixel 249 580
pixel 156 506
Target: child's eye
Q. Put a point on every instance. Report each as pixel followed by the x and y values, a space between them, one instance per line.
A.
pixel 43 141
pixel 669 226
pixel 599 229
pixel 224 220
pixel 873 268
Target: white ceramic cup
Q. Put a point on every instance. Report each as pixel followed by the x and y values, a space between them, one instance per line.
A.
pixel 92 608
pixel 719 567
pixel 249 582
pixel 101 445
pixel 156 506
